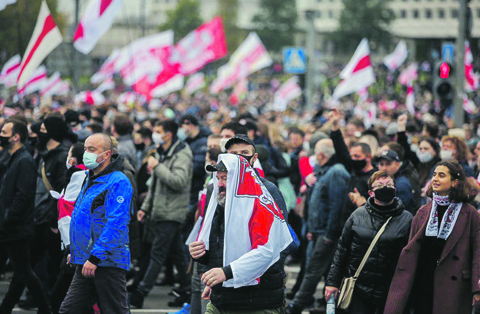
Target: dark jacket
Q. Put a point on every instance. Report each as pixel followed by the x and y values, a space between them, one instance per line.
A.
pixel 17 195
pixel 405 192
pixel 198 145
pixel 268 294
pixel 295 176
pixel 55 170
pixel 358 233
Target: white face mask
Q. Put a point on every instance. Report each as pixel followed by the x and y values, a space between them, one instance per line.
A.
pixel 446 155
pixel 158 138
pixel 223 141
pixel 424 157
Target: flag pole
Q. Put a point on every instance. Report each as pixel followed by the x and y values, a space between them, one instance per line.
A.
pixel 70 67
pixel 19 30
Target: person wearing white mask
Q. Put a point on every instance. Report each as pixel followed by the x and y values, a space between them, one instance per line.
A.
pixel 455 148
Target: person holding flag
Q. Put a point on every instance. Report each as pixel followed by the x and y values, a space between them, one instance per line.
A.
pixel 240 241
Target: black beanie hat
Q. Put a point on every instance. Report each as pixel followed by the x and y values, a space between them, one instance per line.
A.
pixel 56 127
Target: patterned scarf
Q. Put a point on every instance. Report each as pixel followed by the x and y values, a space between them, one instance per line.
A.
pixel 449 218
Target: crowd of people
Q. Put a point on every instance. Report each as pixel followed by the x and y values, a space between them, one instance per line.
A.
pixel 97 202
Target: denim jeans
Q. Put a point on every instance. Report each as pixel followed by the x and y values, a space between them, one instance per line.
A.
pixel 108 288
pixel 18 252
pixel 168 241
pixel 197 305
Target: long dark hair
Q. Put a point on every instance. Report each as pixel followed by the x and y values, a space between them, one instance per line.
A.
pixel 459 192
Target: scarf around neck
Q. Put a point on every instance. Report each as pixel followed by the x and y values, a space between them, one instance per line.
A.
pixel 449 218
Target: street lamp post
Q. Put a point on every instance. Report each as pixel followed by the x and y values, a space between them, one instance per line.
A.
pixel 458 113
pixel 310 16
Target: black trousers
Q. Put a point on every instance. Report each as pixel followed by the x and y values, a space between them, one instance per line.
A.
pixel 108 288
pixel 60 289
pixel 19 254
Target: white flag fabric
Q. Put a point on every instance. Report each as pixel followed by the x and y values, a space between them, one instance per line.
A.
pixel 251 56
pixel 51 85
pixel 357 74
pixel 107 69
pixel 471 80
pixel 4 3
pixel 397 57
pixel 130 98
pixel 63 88
pixel 172 85
pixel 255 229
pixel 92 98
pixel 288 91
pixel 36 82
pixel 10 71
pixel 46 37
pixel 195 82
pixel 95 22
pixel 409 74
pixel 410 99
pixel 107 84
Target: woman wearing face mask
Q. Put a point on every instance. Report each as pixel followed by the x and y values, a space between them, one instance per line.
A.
pixel 455 148
pixel 439 269
pixel 372 285
pixel 428 156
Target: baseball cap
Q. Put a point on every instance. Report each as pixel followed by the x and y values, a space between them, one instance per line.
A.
pixel 389 155
pixel 188 119
pixel 239 138
pixel 216 167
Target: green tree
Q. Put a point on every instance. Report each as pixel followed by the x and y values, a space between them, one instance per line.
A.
pixel 17 22
pixel 228 10
pixel 183 19
pixel 276 23
pixel 363 19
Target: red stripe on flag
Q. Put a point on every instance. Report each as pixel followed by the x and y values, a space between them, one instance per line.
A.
pixel 10 70
pixel 48 25
pixel 362 64
pixel 78 32
pixel 104 5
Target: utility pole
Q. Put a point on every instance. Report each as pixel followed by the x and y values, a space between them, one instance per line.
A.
pixel 458 112
pixel 310 16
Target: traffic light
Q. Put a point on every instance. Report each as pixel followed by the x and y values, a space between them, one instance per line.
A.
pixel 443 82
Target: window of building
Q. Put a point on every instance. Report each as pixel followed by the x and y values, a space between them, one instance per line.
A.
pixel 415 14
pixel 454 14
pixel 318 14
pixel 428 13
pixel 403 14
pixel 441 13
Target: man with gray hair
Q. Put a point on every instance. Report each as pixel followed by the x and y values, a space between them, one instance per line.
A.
pixel 324 225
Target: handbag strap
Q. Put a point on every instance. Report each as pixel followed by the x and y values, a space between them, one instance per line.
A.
pixel 370 249
pixel 44 178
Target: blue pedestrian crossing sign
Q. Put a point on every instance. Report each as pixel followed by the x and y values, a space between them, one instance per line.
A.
pixel 447 51
pixel 294 60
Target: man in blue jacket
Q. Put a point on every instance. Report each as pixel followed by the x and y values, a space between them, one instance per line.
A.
pixel 99 233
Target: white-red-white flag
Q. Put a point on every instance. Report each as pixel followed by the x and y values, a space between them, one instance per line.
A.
pixel 63 88
pixel 471 80
pixel 358 73
pixel 95 22
pixel 10 71
pixel 195 82
pixel 410 99
pixel 468 105
pixel 130 98
pixel 46 37
pixel 4 3
pixel 397 57
pixel 92 98
pixel 51 85
pixel 36 82
pixel 409 74
pixel 107 69
pixel 172 85
pixel 107 84
pixel 288 91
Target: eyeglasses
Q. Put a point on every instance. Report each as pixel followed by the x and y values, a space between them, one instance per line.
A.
pixel 390 185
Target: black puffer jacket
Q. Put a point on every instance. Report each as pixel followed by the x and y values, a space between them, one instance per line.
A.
pixel 359 231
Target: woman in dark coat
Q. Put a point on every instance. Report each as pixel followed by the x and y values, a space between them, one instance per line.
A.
pixel 439 269
pixel 361 227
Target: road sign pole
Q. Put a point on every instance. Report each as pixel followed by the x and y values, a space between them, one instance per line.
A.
pixel 458 113
pixel 310 15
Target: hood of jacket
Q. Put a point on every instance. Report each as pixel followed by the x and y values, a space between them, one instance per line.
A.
pixel 116 164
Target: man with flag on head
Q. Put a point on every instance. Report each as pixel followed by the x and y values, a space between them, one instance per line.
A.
pixel 240 241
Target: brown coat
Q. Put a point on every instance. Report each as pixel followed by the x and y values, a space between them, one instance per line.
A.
pixel 457 273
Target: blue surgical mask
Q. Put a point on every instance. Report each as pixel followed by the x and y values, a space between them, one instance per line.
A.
pixel 90 160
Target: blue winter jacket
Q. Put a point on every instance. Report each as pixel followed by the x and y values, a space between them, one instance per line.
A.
pixel 99 225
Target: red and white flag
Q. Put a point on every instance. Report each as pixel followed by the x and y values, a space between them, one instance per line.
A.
pixel 195 82
pixel 471 80
pixel 4 3
pixel 95 22
pixel 107 69
pixel 397 57
pixel 468 105
pixel 172 85
pixel 410 99
pixel 46 37
pixel 64 88
pixel 10 71
pixel 409 74
pixel 92 98
pixel 250 57
pixel 36 82
pixel 107 84
pixel 239 91
pixel 51 85
pixel 288 91
pixel 205 44
pixel 130 98
pixel 256 234
pixel 358 74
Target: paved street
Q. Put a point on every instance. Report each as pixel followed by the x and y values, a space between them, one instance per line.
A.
pixel 157 301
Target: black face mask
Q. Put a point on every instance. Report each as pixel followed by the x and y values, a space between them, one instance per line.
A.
pixel 385 194
pixel 140 146
pixel 43 139
pixel 248 158
pixel 4 141
pixel 358 165
pixel 33 141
